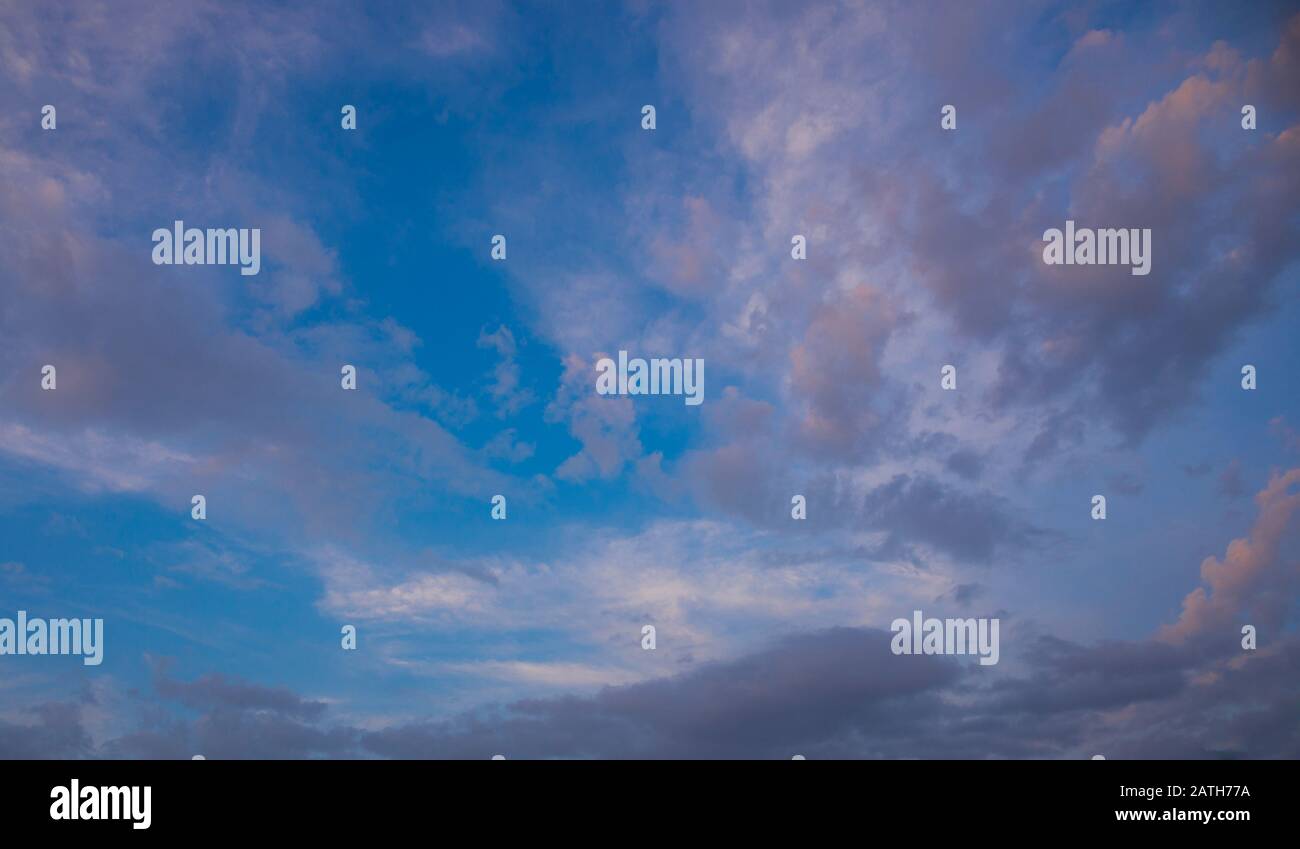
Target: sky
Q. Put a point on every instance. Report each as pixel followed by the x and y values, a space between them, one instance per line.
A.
pixel 476 377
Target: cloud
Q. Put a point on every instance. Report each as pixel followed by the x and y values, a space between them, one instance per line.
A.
pixel 605 425
pixel 53 730
pixel 972 527
pixel 505 390
pixel 1068 340
pixel 799 692
pixel 95 460
pixel 828 693
pixel 835 371
pixel 923 250
pixel 1230 481
pixel 506 446
pixel 565 675
pixel 837 693
pixel 353 590
pixel 1255 580
pixel 215 692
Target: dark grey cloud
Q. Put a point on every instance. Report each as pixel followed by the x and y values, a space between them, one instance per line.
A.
pixel 52 730
pixel 963 594
pixel 216 692
pixel 971 526
pixel 838 693
pixel 1230 483
pixel 969 523
pixel 1068 677
pixel 965 464
pixel 773 703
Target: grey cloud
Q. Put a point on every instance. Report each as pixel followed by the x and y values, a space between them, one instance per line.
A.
pixel 217 692
pixel 971 526
pixel 965 464
pixel 510 397
pixel 56 732
pixel 1231 483
pixel 839 693
pixel 801 691
pixel 963 594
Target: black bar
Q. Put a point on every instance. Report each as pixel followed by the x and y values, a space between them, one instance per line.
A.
pixel 454 801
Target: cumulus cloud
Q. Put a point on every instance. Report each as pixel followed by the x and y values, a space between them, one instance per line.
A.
pixel 1255 581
